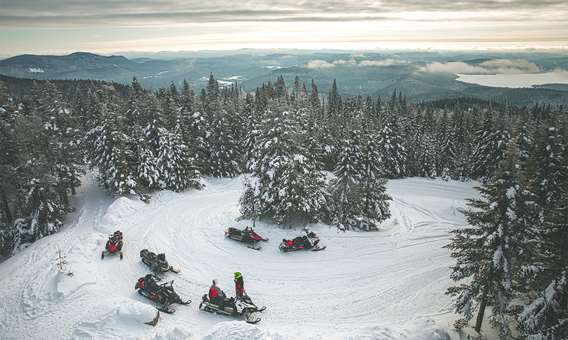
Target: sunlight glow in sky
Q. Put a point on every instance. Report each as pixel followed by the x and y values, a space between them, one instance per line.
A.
pixel 106 26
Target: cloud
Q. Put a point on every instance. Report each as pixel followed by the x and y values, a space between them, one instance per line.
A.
pixel 317 63
pixel 493 66
pixel 379 63
pixel 37 13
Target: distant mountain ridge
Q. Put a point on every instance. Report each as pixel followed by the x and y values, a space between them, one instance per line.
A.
pixel 252 70
pixel 79 65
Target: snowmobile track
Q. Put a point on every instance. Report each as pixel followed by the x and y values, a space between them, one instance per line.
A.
pixel 380 285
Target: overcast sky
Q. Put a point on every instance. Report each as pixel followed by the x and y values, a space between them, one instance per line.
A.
pixel 105 26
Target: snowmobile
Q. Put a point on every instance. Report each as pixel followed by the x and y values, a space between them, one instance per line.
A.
pixel 163 294
pixel 310 241
pixel 247 235
pixel 157 262
pixel 239 306
pixel 113 245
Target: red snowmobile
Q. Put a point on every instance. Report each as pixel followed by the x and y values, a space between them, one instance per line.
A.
pixel 114 245
pixel 247 235
pixel 310 241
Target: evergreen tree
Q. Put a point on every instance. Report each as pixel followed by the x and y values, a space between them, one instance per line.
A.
pixel 393 153
pixel 223 160
pixel 110 154
pixel 485 249
pixel 314 97
pixel 492 140
pixel 290 187
pixel 175 167
pixel 9 160
pixel 345 188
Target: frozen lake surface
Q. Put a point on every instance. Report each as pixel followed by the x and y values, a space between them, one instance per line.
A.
pixel 515 80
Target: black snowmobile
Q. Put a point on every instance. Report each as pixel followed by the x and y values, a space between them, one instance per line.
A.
pixel 114 245
pixel 163 294
pixel 247 236
pixel 239 306
pixel 156 262
pixel 310 241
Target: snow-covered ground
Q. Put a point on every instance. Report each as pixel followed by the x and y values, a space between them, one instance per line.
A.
pixel 383 285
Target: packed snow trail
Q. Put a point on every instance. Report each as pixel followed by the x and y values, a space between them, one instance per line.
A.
pixel 382 285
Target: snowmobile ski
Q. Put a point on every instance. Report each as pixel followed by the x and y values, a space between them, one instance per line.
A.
pixel 261 309
pixel 106 253
pixel 319 248
pixel 154 321
pixel 168 310
pixel 254 246
pixel 252 320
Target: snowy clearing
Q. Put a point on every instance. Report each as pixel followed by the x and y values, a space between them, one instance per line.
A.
pixel 383 285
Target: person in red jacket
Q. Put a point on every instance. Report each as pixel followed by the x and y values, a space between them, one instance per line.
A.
pixel 216 295
pixel 239 285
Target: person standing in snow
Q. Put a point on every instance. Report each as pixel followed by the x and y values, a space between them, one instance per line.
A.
pixel 239 285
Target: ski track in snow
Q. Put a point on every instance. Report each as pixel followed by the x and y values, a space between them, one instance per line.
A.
pixel 381 285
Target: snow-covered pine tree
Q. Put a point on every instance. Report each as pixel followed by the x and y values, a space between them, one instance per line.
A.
pixel 148 170
pixel 314 98
pixel 333 100
pixel 249 202
pixel 429 156
pixel 171 108
pixel 211 100
pixel 40 202
pixel 485 250
pixel 61 140
pixel 176 168
pixel 545 316
pixel 490 145
pixel 9 160
pixel 223 160
pixel 393 153
pixel 290 187
pixel 460 150
pixel 345 207
pixel 49 169
pixel 549 165
pixel 300 196
pixel 187 99
pixel 375 204
pixel 109 150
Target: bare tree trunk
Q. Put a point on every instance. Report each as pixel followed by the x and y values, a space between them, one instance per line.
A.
pixel 481 312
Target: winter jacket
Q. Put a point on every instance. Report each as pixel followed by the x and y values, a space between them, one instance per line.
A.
pixel 214 293
pixel 239 287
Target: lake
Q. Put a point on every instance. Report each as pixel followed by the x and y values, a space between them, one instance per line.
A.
pixel 515 80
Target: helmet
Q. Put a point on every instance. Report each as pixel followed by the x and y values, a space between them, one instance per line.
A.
pixel 214 282
pixel 238 274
